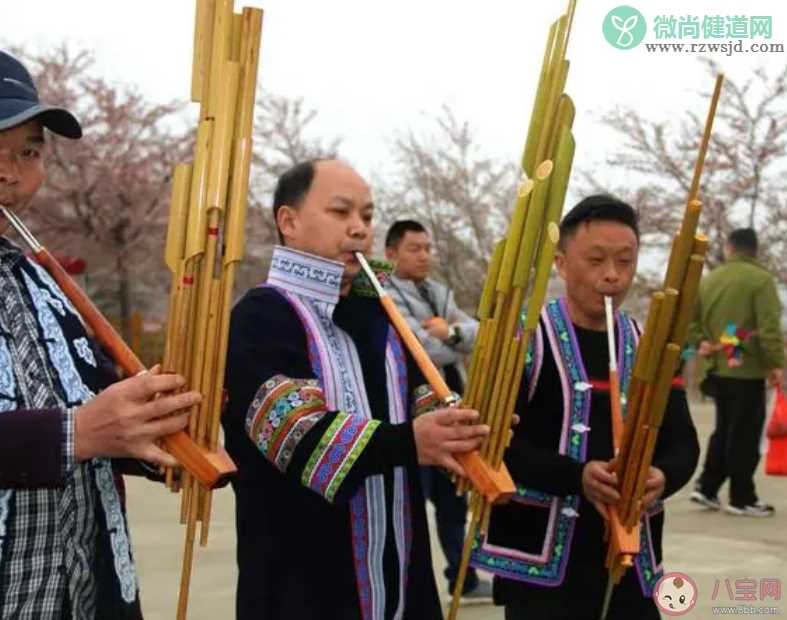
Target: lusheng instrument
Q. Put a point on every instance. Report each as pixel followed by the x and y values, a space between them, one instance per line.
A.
pixel 210 468
pixel 495 485
pixel 658 354
pixel 205 237
pixel 520 270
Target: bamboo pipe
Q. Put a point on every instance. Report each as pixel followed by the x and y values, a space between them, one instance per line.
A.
pixel 663 326
pixel 662 388
pixel 539 105
pixel 203 39
pixel 204 360
pixel 176 237
pixel 480 357
pixel 251 31
pixel 173 257
pixel 506 363
pixel 220 54
pixel 682 246
pixel 554 82
pixel 688 297
pixel 714 102
pixel 549 242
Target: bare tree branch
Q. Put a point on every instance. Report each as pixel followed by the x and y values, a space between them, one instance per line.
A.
pixel 743 183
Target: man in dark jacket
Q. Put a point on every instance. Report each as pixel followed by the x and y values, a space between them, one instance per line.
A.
pixel 320 420
pixel 740 343
pixel 64 546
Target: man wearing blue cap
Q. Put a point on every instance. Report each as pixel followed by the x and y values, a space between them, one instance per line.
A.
pixel 64 545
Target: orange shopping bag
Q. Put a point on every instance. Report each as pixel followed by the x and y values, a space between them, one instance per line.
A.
pixel 776 459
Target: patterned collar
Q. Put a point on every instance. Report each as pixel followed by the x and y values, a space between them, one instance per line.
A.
pixel 306 275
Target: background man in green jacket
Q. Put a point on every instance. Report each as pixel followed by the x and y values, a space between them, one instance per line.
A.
pixel 740 343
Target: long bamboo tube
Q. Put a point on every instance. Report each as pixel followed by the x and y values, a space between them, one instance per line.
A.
pixel 480 356
pixel 521 271
pixel 251 31
pixel 658 355
pixel 499 355
pixel 224 73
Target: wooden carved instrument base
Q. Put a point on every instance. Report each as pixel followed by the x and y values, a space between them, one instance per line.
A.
pixel 623 545
pixel 211 469
pixel 495 485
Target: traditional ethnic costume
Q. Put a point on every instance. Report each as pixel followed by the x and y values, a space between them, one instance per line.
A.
pixel 64 545
pixel 330 515
pixel 546 548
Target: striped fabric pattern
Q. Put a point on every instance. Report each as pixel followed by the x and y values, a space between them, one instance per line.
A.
pixel 280 415
pixel 338 449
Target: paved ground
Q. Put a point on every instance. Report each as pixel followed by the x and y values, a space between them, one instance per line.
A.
pixel 707 546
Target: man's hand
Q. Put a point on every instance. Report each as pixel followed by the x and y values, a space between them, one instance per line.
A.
pixel 442 433
pixel 654 487
pixel 776 377
pixel 437 328
pixel 599 485
pixel 126 419
pixel 706 348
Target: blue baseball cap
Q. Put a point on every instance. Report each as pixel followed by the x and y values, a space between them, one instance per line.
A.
pixel 19 102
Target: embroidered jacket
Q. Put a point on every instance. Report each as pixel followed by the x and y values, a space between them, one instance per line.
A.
pixel 330 518
pixel 64 547
pixel 565 409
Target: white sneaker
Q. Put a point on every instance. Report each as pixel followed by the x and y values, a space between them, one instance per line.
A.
pixel 698 497
pixel 753 510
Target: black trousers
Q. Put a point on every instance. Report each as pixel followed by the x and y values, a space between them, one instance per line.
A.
pixel 734 447
pixel 644 609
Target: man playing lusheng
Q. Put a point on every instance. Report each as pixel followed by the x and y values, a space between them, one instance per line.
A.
pixel 64 546
pixel 330 515
pixel 547 548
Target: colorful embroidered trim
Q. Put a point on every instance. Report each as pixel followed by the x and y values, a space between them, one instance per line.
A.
pixel 549 566
pixel 281 413
pixel 338 449
pixel 396 370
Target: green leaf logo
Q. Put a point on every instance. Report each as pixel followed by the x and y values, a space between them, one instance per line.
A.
pixel 624 27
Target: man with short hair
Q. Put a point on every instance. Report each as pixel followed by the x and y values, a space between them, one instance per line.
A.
pixel 321 422
pixel 737 330
pixel 547 547
pixel 448 334
pixel 64 546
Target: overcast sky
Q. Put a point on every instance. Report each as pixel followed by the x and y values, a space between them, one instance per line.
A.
pixel 372 68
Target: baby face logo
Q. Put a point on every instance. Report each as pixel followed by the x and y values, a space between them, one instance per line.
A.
pixel 624 27
pixel 675 594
